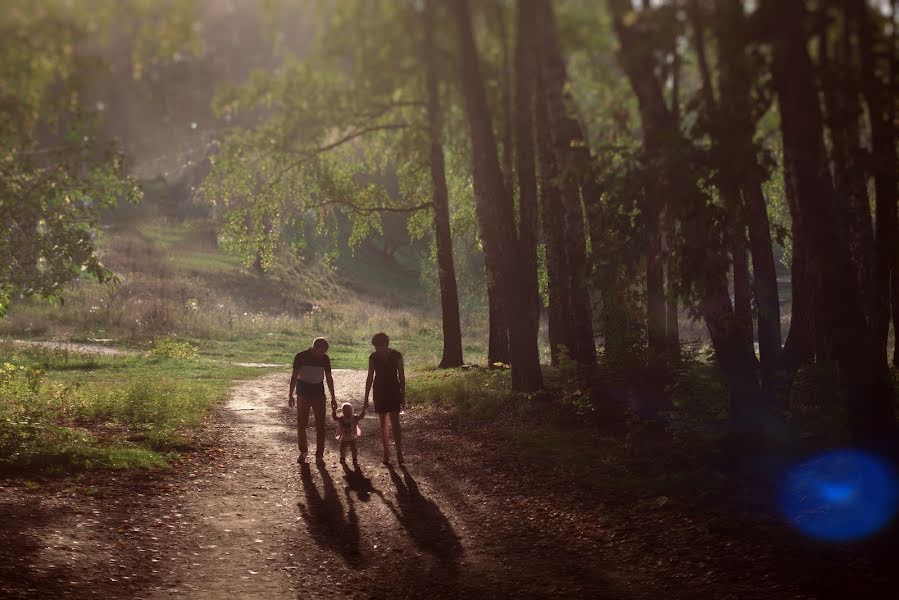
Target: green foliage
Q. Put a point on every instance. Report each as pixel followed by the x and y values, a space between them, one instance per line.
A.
pixel 135 419
pixel 56 171
pixel 174 349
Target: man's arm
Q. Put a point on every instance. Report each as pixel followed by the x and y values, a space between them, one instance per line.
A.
pixel 401 374
pixel 293 383
pixel 330 381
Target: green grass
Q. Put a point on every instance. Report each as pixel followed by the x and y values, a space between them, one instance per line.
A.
pixel 558 431
pixel 64 411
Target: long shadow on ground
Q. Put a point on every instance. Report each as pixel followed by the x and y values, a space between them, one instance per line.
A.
pixel 329 524
pixel 426 524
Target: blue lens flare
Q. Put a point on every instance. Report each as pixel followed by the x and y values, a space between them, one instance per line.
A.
pixel 840 496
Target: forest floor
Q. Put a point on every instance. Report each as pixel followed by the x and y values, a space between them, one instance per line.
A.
pixel 465 518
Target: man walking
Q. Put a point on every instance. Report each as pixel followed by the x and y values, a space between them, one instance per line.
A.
pixel 311 368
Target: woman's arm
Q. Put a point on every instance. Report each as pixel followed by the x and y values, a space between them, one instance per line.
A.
pixel 369 381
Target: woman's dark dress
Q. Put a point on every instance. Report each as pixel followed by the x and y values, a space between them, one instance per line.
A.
pixel 386 386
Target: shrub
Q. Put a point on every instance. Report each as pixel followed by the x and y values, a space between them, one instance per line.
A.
pixel 174 350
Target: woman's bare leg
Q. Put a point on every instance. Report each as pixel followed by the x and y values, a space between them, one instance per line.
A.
pixel 385 435
pixel 397 435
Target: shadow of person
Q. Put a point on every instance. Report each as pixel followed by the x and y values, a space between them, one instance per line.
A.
pixel 356 481
pixel 428 527
pixel 328 523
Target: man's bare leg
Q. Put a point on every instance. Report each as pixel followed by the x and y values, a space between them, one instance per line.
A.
pixel 302 423
pixel 318 409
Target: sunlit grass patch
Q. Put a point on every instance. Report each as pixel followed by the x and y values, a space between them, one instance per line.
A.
pixel 129 412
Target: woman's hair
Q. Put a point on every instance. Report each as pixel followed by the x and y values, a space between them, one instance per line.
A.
pixel 380 339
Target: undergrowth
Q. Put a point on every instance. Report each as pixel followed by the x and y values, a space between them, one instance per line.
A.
pixel 62 412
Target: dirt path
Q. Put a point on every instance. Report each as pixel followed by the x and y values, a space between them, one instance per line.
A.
pixel 265 527
pixel 467 519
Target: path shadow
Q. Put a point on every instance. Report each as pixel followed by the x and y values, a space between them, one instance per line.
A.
pixel 18 576
pixel 357 482
pixel 329 524
pixel 426 524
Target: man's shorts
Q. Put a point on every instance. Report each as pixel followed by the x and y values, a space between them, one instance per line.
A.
pixel 311 391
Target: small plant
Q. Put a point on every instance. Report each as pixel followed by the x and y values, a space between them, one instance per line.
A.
pixel 174 350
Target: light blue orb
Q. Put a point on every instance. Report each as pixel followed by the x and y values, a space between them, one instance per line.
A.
pixel 840 496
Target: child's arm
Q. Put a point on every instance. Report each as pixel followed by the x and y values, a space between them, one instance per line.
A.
pixel 361 414
pixel 334 413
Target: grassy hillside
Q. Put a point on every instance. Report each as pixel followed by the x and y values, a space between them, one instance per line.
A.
pixel 174 281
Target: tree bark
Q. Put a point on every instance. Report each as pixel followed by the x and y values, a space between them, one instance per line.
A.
pixel 446 269
pixel 495 209
pixel 661 142
pixel 880 99
pixel 864 376
pixel 728 185
pixel 735 78
pixel 498 327
pixel 576 171
pixel 525 81
pixel 553 231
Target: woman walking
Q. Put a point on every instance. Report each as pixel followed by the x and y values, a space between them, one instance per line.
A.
pixel 386 376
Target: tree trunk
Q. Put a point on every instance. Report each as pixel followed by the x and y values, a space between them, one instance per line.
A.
pixel 847 157
pixel 553 232
pixel 799 347
pixel 495 209
pixel 735 78
pixel 672 319
pixel 525 81
pixel 864 377
pixel 880 99
pixel 661 141
pixel 728 185
pixel 742 292
pixel 498 335
pixel 576 169
pixel 446 269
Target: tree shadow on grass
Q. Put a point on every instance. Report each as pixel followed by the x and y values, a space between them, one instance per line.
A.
pixel 426 524
pixel 329 524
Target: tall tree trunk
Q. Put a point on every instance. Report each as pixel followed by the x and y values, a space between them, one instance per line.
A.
pixel 847 157
pixel 742 290
pixel 553 231
pixel 495 209
pixel 728 185
pixel 656 309
pixel 661 143
pixel 799 347
pixel 735 78
pixel 880 99
pixel 446 269
pixel 672 321
pixel 575 165
pixel 525 81
pixel 507 122
pixel 498 351
pixel 862 368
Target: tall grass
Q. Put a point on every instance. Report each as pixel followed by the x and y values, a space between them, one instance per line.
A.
pixel 175 282
pixel 136 420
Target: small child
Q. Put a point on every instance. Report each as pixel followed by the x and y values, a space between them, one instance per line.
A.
pixel 348 429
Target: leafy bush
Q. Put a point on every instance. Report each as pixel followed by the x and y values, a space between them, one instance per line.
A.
pixel 174 349
pixel 137 422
